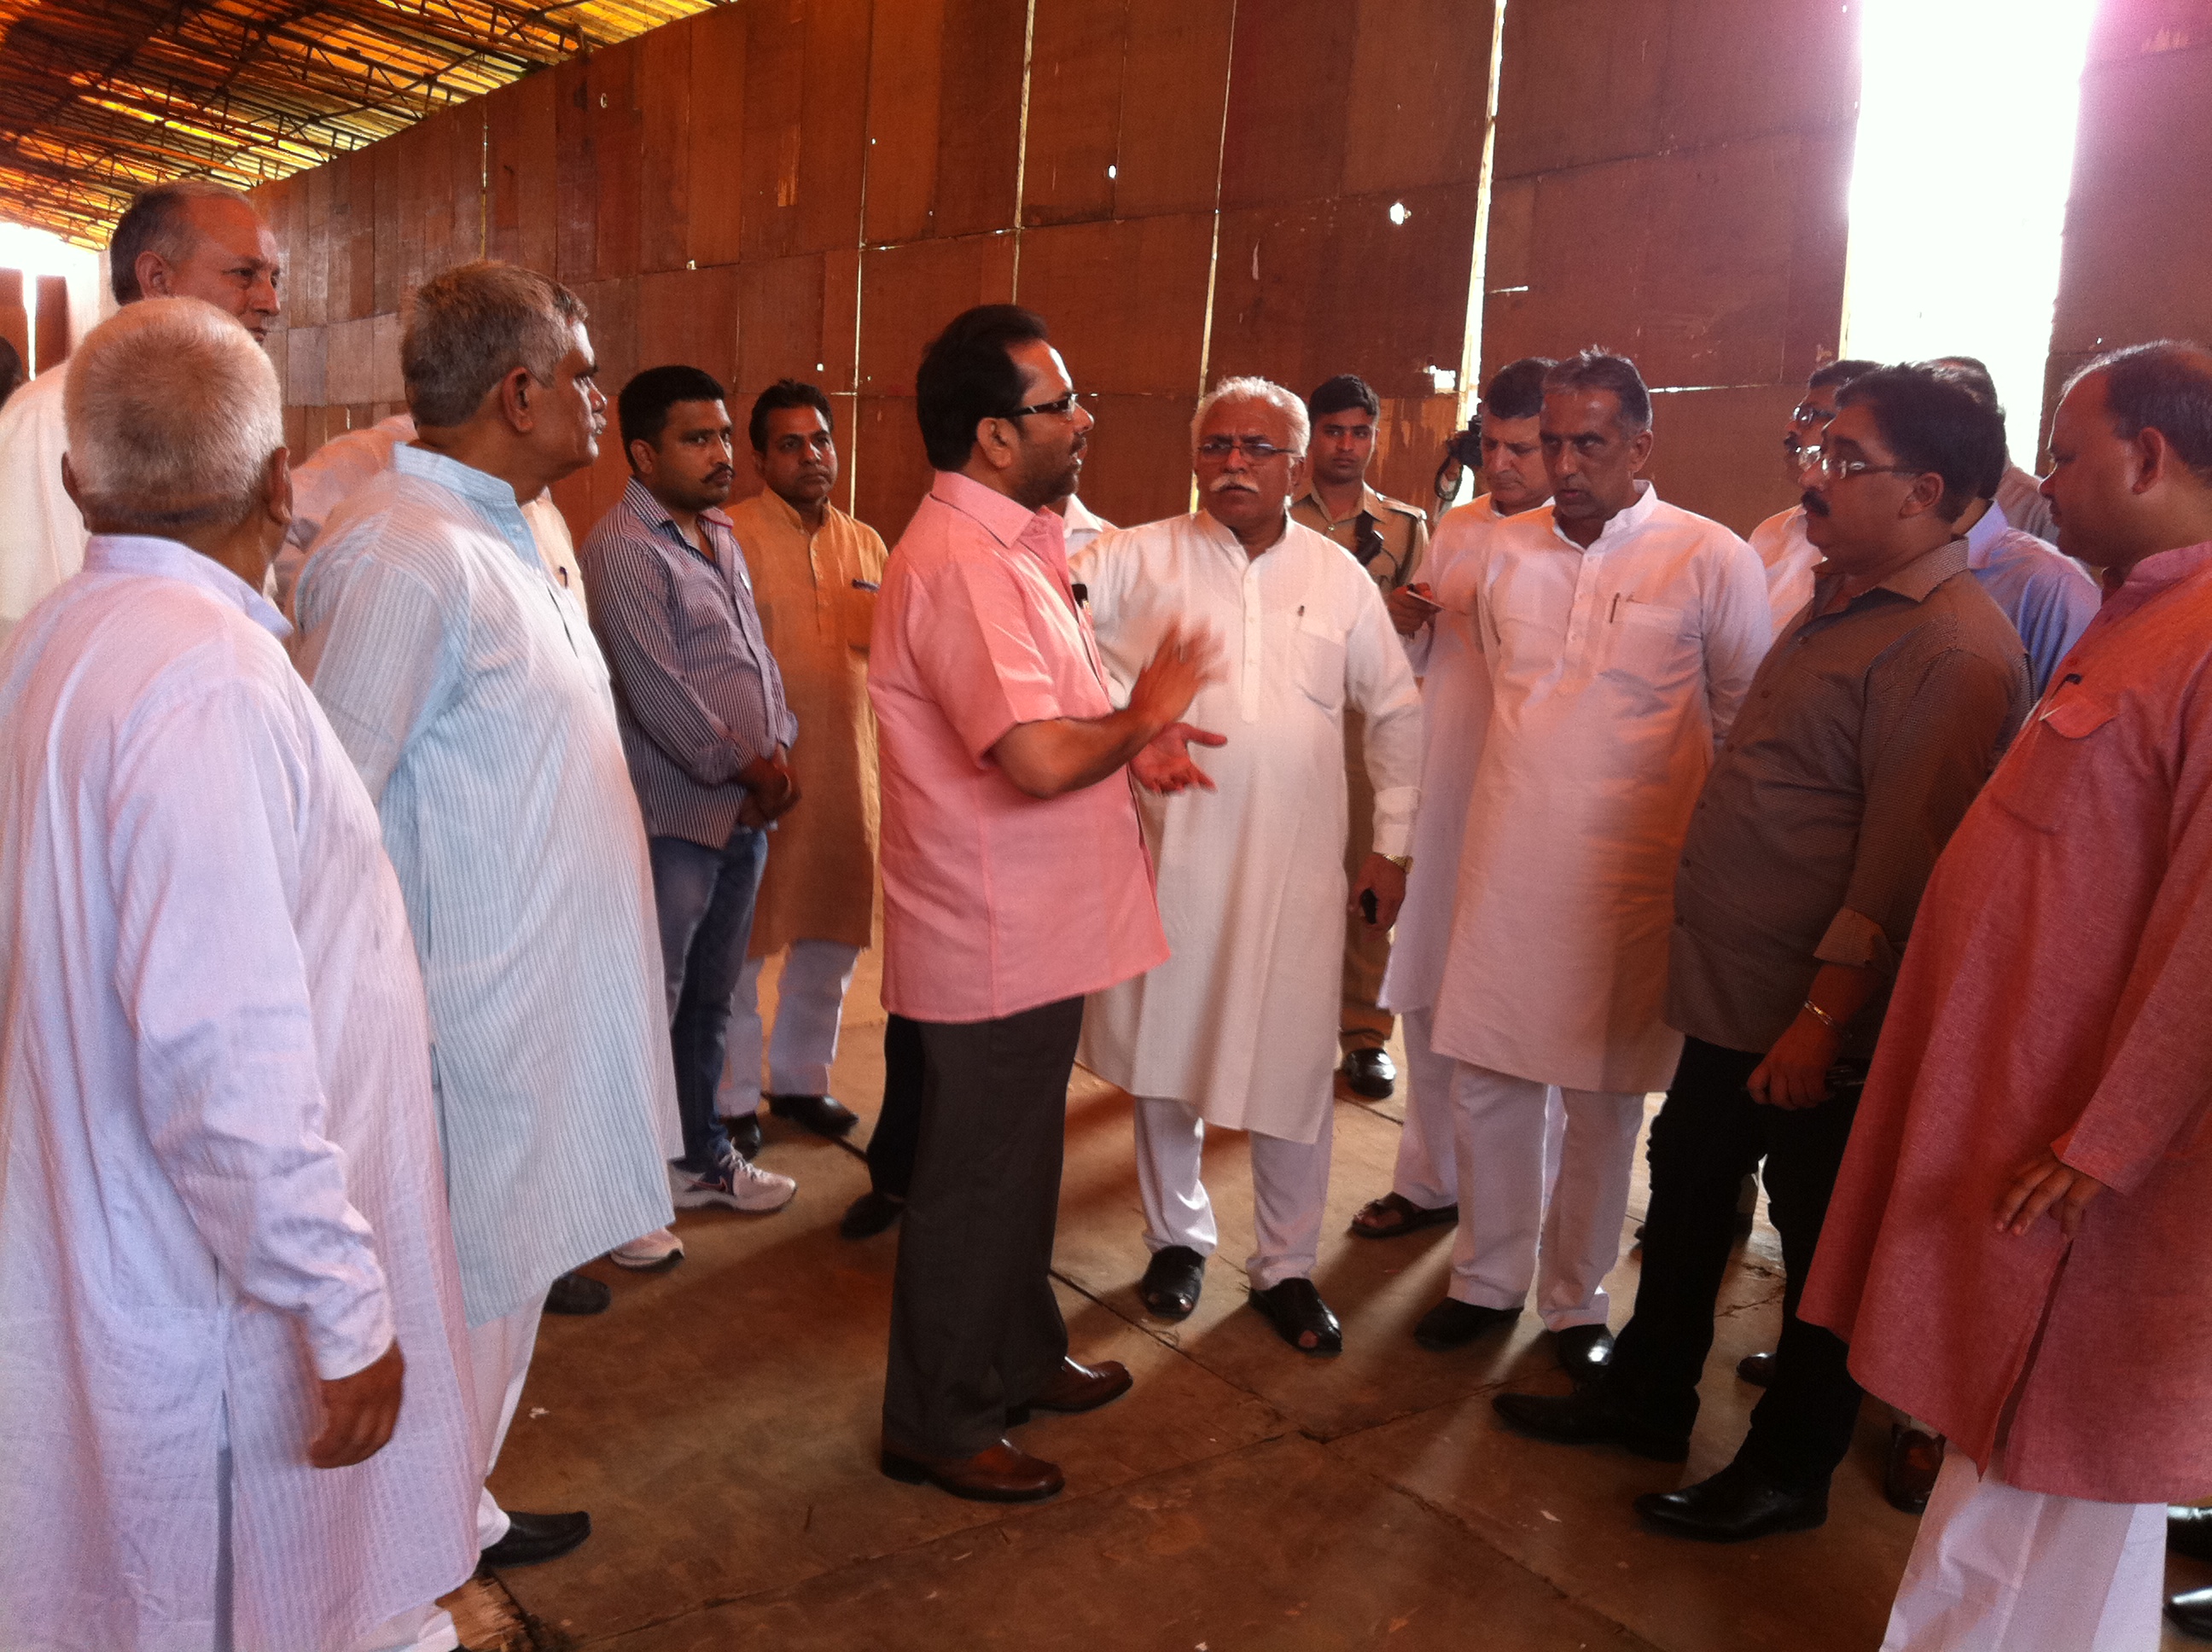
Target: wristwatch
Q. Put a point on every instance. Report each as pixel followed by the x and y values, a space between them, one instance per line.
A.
pixel 1402 862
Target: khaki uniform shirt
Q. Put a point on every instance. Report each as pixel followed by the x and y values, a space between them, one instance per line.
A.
pixel 1387 537
pixel 817 597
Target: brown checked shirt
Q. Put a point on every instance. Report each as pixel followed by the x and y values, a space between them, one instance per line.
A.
pixel 1865 734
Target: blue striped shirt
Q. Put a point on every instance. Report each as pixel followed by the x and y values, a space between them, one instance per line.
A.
pixel 697 692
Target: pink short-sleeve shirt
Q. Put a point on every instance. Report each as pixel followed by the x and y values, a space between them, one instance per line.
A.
pixel 995 902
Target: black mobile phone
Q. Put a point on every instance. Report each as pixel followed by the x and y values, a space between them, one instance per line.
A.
pixel 1367 908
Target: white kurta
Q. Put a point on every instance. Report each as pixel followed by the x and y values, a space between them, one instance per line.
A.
pixel 41 534
pixel 475 703
pixel 1788 558
pixel 1239 1022
pixel 1455 712
pixel 1615 671
pixel 220 1178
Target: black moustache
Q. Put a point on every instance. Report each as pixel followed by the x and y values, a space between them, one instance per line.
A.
pixel 1814 504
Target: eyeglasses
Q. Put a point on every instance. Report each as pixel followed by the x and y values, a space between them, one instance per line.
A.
pixel 1063 405
pixel 1252 448
pixel 1811 413
pixel 1837 469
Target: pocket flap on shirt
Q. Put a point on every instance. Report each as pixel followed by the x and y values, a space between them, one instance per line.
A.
pixel 2078 715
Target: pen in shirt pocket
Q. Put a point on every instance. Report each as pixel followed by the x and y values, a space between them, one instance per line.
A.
pixel 866 585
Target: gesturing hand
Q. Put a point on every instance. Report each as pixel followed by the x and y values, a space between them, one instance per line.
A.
pixel 359 1412
pixel 1166 765
pixel 2044 1183
pixel 1184 662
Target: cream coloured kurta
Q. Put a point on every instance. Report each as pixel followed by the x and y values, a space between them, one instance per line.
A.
pixel 1238 1022
pixel 816 597
pixel 219 1169
pixel 1454 713
pixel 41 535
pixel 1788 558
pixel 1614 671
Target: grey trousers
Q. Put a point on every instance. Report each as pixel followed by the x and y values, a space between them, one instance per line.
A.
pixel 975 1325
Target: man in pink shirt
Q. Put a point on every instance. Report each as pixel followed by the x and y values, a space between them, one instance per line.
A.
pixel 1015 883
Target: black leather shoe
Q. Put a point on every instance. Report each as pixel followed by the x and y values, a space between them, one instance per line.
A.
pixel 1370 1073
pixel 869 1215
pixel 1908 1479
pixel 578 1293
pixel 1454 1324
pixel 1173 1280
pixel 1758 1369
pixel 824 1116
pixel 2191 1614
pixel 1583 1351
pixel 1590 1415
pixel 532 1538
pixel 745 1134
pixel 1737 1504
pixel 1300 1317
pixel 2189 1533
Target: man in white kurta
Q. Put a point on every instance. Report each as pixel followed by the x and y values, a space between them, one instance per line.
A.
pixel 1616 667
pixel 177 240
pixel 476 705
pixel 1234 1029
pixel 220 1193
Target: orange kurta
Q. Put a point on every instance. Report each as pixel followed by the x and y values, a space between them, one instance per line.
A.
pixel 817 602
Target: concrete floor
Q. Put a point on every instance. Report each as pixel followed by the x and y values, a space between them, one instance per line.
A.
pixel 719 1423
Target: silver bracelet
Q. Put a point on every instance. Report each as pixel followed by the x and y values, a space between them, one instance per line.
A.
pixel 1823 1016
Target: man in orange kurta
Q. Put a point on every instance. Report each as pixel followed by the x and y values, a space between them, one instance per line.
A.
pixel 2016 1247
pixel 815 571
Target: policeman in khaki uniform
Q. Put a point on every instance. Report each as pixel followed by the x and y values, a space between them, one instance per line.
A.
pixel 1387 537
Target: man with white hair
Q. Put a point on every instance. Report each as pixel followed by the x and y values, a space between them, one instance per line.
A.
pixel 472 699
pixel 190 238
pixel 1234 1029
pixel 235 1409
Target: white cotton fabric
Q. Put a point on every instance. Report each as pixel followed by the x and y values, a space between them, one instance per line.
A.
pixel 1240 1022
pixel 809 1008
pixel 468 689
pixel 42 535
pixel 219 1178
pixel 1615 671
pixel 1788 558
pixel 1289 1191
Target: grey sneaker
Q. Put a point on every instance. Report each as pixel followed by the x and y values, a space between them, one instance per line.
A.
pixel 737 1182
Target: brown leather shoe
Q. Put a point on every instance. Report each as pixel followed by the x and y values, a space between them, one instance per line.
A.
pixel 1915 1461
pixel 1076 1387
pixel 1002 1472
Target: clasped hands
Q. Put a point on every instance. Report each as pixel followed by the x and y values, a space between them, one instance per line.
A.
pixel 769 789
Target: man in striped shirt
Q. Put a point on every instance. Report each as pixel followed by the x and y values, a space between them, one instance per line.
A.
pixel 708 736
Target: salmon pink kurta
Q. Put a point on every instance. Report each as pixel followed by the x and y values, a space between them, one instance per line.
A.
pixel 2055 997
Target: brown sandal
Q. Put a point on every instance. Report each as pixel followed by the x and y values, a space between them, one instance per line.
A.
pixel 1393 1216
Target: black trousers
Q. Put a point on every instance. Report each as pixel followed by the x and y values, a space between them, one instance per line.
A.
pixel 975 1325
pixel 1706 1138
pixel 898 1124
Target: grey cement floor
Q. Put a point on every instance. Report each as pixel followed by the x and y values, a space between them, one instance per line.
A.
pixel 719 1423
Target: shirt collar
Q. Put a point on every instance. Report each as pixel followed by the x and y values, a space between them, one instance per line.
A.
pixel 783 511
pixel 1008 520
pixel 1370 502
pixel 639 500
pixel 2154 573
pixel 479 486
pixel 1619 525
pixel 134 553
pixel 1081 518
pixel 1982 538
pixel 1915 582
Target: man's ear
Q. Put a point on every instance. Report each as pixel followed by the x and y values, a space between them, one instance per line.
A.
pixel 642 455
pixel 991 441
pixel 1298 475
pixel 70 487
pixel 2153 458
pixel 153 272
pixel 1925 494
pixel 1639 451
pixel 515 400
pixel 276 487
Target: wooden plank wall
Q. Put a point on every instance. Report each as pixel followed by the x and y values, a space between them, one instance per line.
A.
pixel 1671 182
pixel 1184 188
pixel 2137 238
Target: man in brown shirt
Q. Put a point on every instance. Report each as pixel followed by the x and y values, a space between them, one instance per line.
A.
pixel 1387 537
pixel 1867 731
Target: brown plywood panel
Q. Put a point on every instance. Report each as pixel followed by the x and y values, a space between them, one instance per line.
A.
pixel 1290 80
pixel 1581 82
pixel 1409 445
pixel 690 316
pixel 1702 437
pixel 717 134
pixel 1125 299
pixel 1716 290
pixel 309 261
pixel 50 340
pixel 304 357
pixel 1138 469
pixel 779 320
pixel 1327 286
pixel 838 366
pixel 466 235
pixel 905 61
pixel 1075 110
pixel 907 294
pixel 385 382
pixel 979 132
pixel 390 259
pixel 833 158
pixel 664 77
pixel 575 248
pixel 1738 67
pixel 1175 82
pixel 615 123
pixel 1583 280
pixel 417 169
pixel 889 470
pixel 1420 94
pixel 349 368
pixel 774 66
pixel 350 275
pixel 612 328
pixel 1820 238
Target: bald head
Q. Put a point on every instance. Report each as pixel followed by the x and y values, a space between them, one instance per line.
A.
pixel 197 239
pixel 2132 454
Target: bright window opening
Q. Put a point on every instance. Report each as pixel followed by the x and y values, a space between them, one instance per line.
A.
pixel 35 253
pixel 1959 183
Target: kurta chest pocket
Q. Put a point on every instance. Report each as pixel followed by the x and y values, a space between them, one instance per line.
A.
pixel 1644 641
pixel 2050 766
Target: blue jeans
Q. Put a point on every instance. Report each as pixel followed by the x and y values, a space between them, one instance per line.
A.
pixel 705 900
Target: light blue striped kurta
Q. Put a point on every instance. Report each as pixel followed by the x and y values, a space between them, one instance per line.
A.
pixel 471 695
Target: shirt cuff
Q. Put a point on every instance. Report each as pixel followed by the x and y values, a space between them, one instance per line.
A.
pixel 1394 819
pixel 1856 940
pixel 356 1339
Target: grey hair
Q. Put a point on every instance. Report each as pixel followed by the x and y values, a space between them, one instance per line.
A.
pixel 1256 390
pixel 159 221
pixel 172 411
pixel 472 326
pixel 1601 369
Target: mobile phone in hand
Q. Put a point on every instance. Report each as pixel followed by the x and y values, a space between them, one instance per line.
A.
pixel 1367 906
